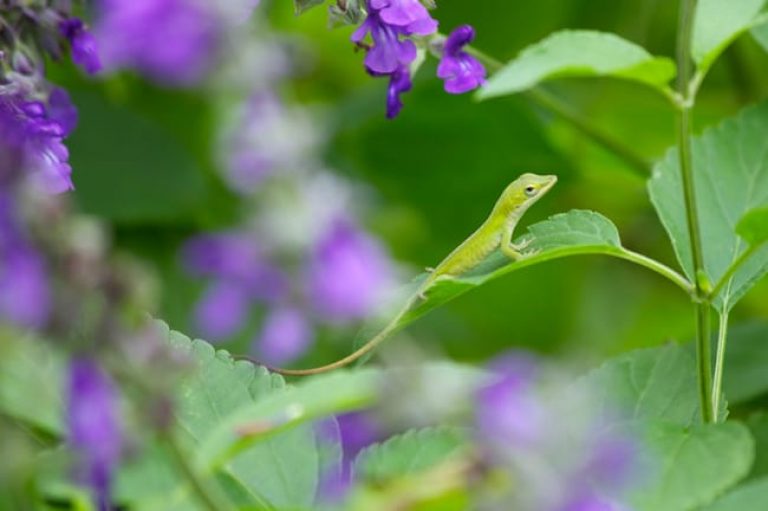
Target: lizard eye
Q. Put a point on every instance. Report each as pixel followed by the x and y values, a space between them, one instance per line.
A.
pixel 530 191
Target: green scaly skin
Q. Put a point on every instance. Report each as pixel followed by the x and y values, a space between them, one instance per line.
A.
pixel 496 232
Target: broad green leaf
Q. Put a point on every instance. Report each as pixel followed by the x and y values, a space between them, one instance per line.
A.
pixel 731 177
pixel 31 381
pixel 648 384
pixel 753 226
pixel 746 359
pixel 309 399
pixel 576 232
pixel 579 53
pixel 695 465
pixel 745 497
pixel 303 6
pixel 406 454
pixel 760 34
pixel 281 469
pixel 716 24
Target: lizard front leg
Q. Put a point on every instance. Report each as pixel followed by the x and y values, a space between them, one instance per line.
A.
pixel 512 250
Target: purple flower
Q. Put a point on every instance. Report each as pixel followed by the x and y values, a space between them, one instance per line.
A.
pixel 93 422
pixel 171 41
pixel 84 49
pixel 390 55
pixel 461 71
pixel 507 411
pixel 31 140
pixel 24 294
pixel 348 274
pixel 591 503
pixel 286 334
pixel 241 276
pixel 399 82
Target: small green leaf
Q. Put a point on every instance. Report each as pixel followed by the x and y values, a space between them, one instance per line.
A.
pixel 753 226
pixel 579 53
pixel 731 178
pixel 303 6
pixel 745 497
pixel 412 452
pixel 695 465
pixel 648 384
pixel 717 24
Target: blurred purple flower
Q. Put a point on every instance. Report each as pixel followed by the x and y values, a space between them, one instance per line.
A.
pixel 507 411
pixel 84 48
pixel 31 140
pixel 591 503
pixel 285 335
pixel 171 41
pixel 461 71
pixel 241 276
pixel 24 294
pixel 390 55
pixel 93 421
pixel 349 273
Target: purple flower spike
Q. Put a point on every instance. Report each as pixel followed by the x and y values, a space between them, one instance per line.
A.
pixel 348 274
pixel 84 49
pixel 399 82
pixel 222 310
pixel 94 427
pixel 285 336
pixel 461 71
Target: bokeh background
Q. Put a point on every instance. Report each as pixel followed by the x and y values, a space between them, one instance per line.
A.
pixel 146 159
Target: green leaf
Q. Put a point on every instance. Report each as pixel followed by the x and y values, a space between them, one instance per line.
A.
pixel 752 495
pixel 32 375
pixel 281 469
pixel 717 24
pixel 412 452
pixel 579 53
pixel 695 465
pixel 648 384
pixel 310 399
pixel 745 376
pixel 576 232
pixel 753 226
pixel 303 6
pixel 731 177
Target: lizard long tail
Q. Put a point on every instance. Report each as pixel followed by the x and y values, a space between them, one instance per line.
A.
pixel 366 348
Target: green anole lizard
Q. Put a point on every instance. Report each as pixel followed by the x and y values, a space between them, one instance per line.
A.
pixel 496 232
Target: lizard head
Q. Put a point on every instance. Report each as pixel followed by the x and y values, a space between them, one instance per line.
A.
pixel 526 190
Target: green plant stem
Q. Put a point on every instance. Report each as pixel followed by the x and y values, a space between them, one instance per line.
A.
pixel 636 163
pixel 722 339
pixel 659 268
pixel 703 349
pixel 209 497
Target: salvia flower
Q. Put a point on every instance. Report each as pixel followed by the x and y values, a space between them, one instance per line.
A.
pixel 24 294
pixel 388 22
pixel 241 276
pixel 32 139
pixel 171 41
pixel 285 335
pixel 461 71
pixel 84 48
pixel 93 422
pixel 349 274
